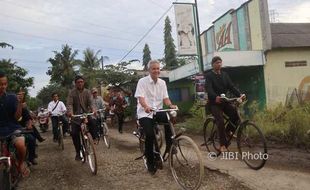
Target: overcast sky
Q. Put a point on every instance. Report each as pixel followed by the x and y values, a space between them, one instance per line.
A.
pixel 37 27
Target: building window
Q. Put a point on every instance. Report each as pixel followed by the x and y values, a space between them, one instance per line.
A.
pixel 295 63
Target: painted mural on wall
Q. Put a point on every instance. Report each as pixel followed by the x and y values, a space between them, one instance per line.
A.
pixel 223 34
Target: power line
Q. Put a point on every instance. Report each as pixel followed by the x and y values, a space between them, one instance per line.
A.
pixel 75 19
pixel 67 28
pixel 62 41
pixel 146 33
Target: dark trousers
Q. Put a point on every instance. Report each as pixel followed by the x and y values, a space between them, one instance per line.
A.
pixel 31 146
pixel 55 125
pixel 76 129
pixel 120 117
pixel 36 133
pixel 230 110
pixel 148 127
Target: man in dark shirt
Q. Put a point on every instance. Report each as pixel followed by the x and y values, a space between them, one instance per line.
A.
pixel 118 106
pixel 10 112
pixel 218 82
pixel 78 102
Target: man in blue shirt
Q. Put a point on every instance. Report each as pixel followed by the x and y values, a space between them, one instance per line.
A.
pixel 10 112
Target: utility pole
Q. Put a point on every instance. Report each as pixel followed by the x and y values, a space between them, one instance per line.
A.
pixel 198 38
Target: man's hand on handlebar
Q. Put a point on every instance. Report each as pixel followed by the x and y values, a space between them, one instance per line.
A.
pixel 147 109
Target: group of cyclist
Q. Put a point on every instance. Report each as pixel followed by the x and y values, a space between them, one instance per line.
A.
pixel 151 92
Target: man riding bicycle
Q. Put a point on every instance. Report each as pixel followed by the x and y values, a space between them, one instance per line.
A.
pixel 218 82
pixel 99 104
pixel 151 93
pixel 57 108
pixel 10 112
pixel 79 102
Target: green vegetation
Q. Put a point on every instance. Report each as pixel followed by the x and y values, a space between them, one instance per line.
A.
pixel 280 124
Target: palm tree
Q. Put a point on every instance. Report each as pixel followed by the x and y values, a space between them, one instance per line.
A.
pixel 91 65
pixel 4 45
pixel 62 70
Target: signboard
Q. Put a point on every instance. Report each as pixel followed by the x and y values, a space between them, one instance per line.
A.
pixel 200 82
pixel 185 24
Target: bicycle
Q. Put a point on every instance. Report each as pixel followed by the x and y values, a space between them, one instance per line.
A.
pixel 103 129
pixel 60 133
pixel 87 151
pixel 185 160
pixel 139 133
pixel 9 174
pixel 251 143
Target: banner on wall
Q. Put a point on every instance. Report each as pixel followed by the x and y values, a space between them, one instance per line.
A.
pixel 185 24
pixel 200 82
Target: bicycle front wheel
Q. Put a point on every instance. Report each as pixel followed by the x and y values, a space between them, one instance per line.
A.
pixel 5 181
pixel 210 136
pixel 91 153
pixel 252 146
pixel 105 136
pixel 61 138
pixel 185 162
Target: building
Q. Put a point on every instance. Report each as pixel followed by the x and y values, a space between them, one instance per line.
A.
pixel 268 61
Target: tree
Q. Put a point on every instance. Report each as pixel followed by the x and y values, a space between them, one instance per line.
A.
pixel 90 66
pixel 16 75
pixel 118 75
pixel 170 52
pixel 4 45
pixel 62 70
pixel 146 56
pixel 45 94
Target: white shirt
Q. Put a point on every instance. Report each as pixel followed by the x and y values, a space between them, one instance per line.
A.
pixel 152 92
pixel 59 110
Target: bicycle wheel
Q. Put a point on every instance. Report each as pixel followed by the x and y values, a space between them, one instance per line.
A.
pixel 91 153
pixel 185 162
pixel 5 181
pixel 159 137
pixel 61 137
pixel 105 135
pixel 252 145
pixel 210 135
pixel 83 148
pixel 142 143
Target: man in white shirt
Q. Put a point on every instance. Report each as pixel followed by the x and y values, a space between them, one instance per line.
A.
pixel 151 93
pixel 57 109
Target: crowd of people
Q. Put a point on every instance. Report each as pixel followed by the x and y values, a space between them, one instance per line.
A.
pixel 151 92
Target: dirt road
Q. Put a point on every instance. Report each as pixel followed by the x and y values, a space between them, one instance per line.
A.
pixel 117 169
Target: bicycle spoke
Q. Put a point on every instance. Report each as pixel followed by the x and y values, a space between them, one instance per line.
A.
pixel 252 146
pixel 186 163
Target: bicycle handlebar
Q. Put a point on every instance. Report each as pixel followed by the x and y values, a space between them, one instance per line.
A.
pixel 164 110
pixel 84 115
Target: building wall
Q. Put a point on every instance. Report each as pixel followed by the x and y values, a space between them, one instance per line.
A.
pixel 281 80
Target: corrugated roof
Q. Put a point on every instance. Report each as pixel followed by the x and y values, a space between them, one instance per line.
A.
pixel 290 35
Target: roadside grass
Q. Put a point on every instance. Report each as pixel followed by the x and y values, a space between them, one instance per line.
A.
pixel 280 124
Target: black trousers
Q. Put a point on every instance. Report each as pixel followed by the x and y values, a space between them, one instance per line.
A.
pixel 120 117
pixel 55 125
pixel 230 110
pixel 148 127
pixel 76 129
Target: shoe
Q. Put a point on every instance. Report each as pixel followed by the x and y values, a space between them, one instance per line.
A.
pixel 33 162
pixel 120 132
pixel 151 168
pixel 35 156
pixel 55 140
pixel 78 158
pixel 41 139
pixel 158 163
